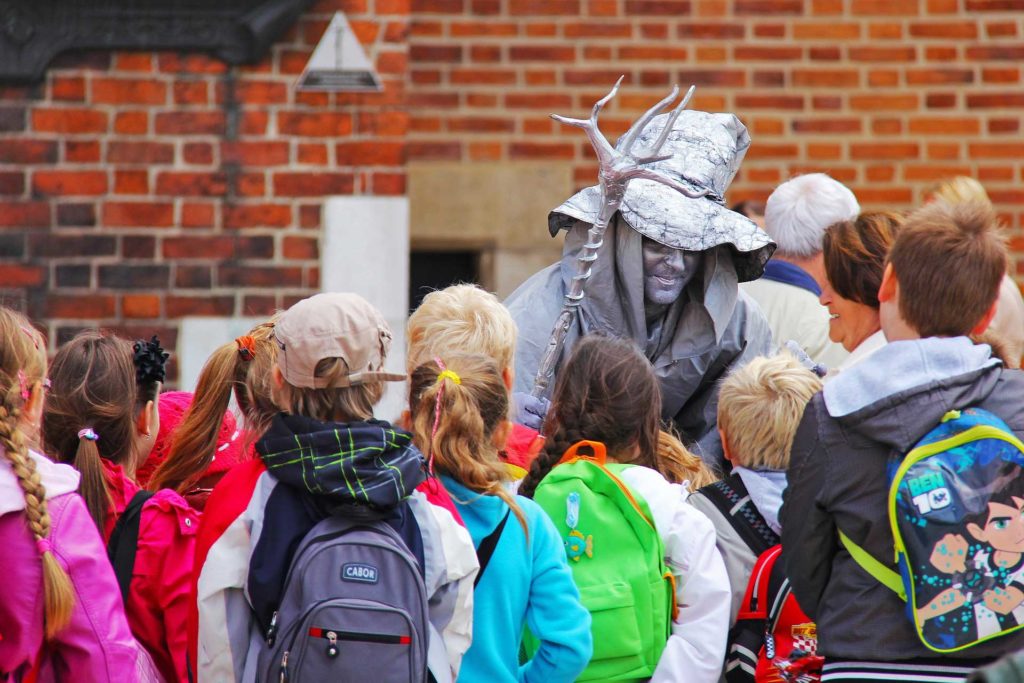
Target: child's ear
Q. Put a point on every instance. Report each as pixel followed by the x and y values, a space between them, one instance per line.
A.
pixel 277 377
pixel 33 410
pixel 987 319
pixel 887 290
pixel 501 433
pixel 144 422
pixel 725 447
pixel 508 375
pixel 977 532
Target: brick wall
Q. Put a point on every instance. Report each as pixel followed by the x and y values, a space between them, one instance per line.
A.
pixel 137 188
pixel 886 95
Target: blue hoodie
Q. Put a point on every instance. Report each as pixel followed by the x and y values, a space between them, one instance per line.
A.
pixel 527 583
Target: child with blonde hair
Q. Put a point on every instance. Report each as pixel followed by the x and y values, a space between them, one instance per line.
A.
pixel 459 405
pixel 61 617
pixel 466 319
pixel 759 409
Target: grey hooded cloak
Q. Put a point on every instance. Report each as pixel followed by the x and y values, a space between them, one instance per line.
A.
pixel 711 328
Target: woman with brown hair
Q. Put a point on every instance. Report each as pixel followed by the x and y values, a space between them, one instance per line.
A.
pixel 855 252
pixel 100 417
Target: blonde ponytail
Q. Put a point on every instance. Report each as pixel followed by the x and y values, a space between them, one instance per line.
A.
pixel 457 405
pixel 677 464
pixel 22 356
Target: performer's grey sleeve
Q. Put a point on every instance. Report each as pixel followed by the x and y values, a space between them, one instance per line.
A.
pixel 747 337
pixel 534 306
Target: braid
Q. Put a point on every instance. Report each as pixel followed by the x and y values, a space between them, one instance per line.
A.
pixel 58 595
pixel 555 447
pixel 539 468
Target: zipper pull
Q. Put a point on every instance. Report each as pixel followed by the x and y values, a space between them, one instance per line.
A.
pixel 272 630
pixel 284 668
pixel 332 647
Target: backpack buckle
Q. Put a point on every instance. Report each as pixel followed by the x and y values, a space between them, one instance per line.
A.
pixel 272 630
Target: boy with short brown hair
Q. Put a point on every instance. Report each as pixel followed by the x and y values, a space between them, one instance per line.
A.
pixel 939 286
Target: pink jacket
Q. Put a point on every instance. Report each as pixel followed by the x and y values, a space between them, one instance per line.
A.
pixel 158 596
pixel 97 645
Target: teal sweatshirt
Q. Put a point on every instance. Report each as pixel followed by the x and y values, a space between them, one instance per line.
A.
pixel 527 583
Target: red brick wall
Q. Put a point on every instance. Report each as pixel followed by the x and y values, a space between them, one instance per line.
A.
pixel 137 188
pixel 886 95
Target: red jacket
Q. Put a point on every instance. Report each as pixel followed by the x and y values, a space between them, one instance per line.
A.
pixel 158 598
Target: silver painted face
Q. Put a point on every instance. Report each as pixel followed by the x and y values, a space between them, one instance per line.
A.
pixel 666 272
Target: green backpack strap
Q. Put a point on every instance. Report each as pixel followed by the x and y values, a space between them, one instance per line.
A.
pixel 876 569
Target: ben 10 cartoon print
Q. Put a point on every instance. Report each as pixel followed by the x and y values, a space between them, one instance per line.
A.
pixel 957 515
pixel 987 569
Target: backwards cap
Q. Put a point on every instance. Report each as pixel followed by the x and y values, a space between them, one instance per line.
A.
pixel 333 325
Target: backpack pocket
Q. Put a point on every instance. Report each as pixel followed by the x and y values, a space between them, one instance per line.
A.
pixel 348 640
pixel 617 641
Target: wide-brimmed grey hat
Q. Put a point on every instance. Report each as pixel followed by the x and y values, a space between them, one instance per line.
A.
pixel 706 153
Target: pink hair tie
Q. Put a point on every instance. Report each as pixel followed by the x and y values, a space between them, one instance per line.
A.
pixel 89 434
pixel 43 546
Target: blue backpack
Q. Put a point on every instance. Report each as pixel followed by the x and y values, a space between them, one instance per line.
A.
pixel 956 506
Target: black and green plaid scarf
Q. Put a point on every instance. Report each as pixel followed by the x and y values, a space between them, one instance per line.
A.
pixel 368 463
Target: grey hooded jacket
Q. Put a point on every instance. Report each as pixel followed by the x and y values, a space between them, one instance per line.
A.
pixel 710 329
pixel 837 480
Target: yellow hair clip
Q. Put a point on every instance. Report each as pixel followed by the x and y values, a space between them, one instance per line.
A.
pixel 448 374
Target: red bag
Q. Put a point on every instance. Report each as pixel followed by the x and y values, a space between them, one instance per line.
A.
pixel 773 641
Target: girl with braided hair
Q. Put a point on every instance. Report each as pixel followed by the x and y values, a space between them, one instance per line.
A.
pixel 459 408
pixel 60 614
pixel 607 392
pixel 101 417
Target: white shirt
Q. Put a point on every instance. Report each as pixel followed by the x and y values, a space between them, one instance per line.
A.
pixel 695 651
pixel 863 350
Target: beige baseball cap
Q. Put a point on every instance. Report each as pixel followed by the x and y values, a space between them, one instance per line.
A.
pixel 333 325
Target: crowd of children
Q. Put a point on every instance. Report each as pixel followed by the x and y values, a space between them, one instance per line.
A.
pixel 297 537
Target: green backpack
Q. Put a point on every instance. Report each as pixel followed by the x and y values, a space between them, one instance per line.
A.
pixel 617 560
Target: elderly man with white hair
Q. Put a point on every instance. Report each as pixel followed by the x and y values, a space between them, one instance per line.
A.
pixel 796 216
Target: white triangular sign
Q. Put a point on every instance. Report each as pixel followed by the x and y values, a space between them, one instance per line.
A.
pixel 339 63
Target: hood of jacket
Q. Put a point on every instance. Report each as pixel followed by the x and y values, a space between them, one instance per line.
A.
pixel 908 386
pixel 365 463
pixel 765 488
pixel 56 478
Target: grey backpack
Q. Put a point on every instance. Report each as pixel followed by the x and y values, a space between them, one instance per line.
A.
pixel 354 608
